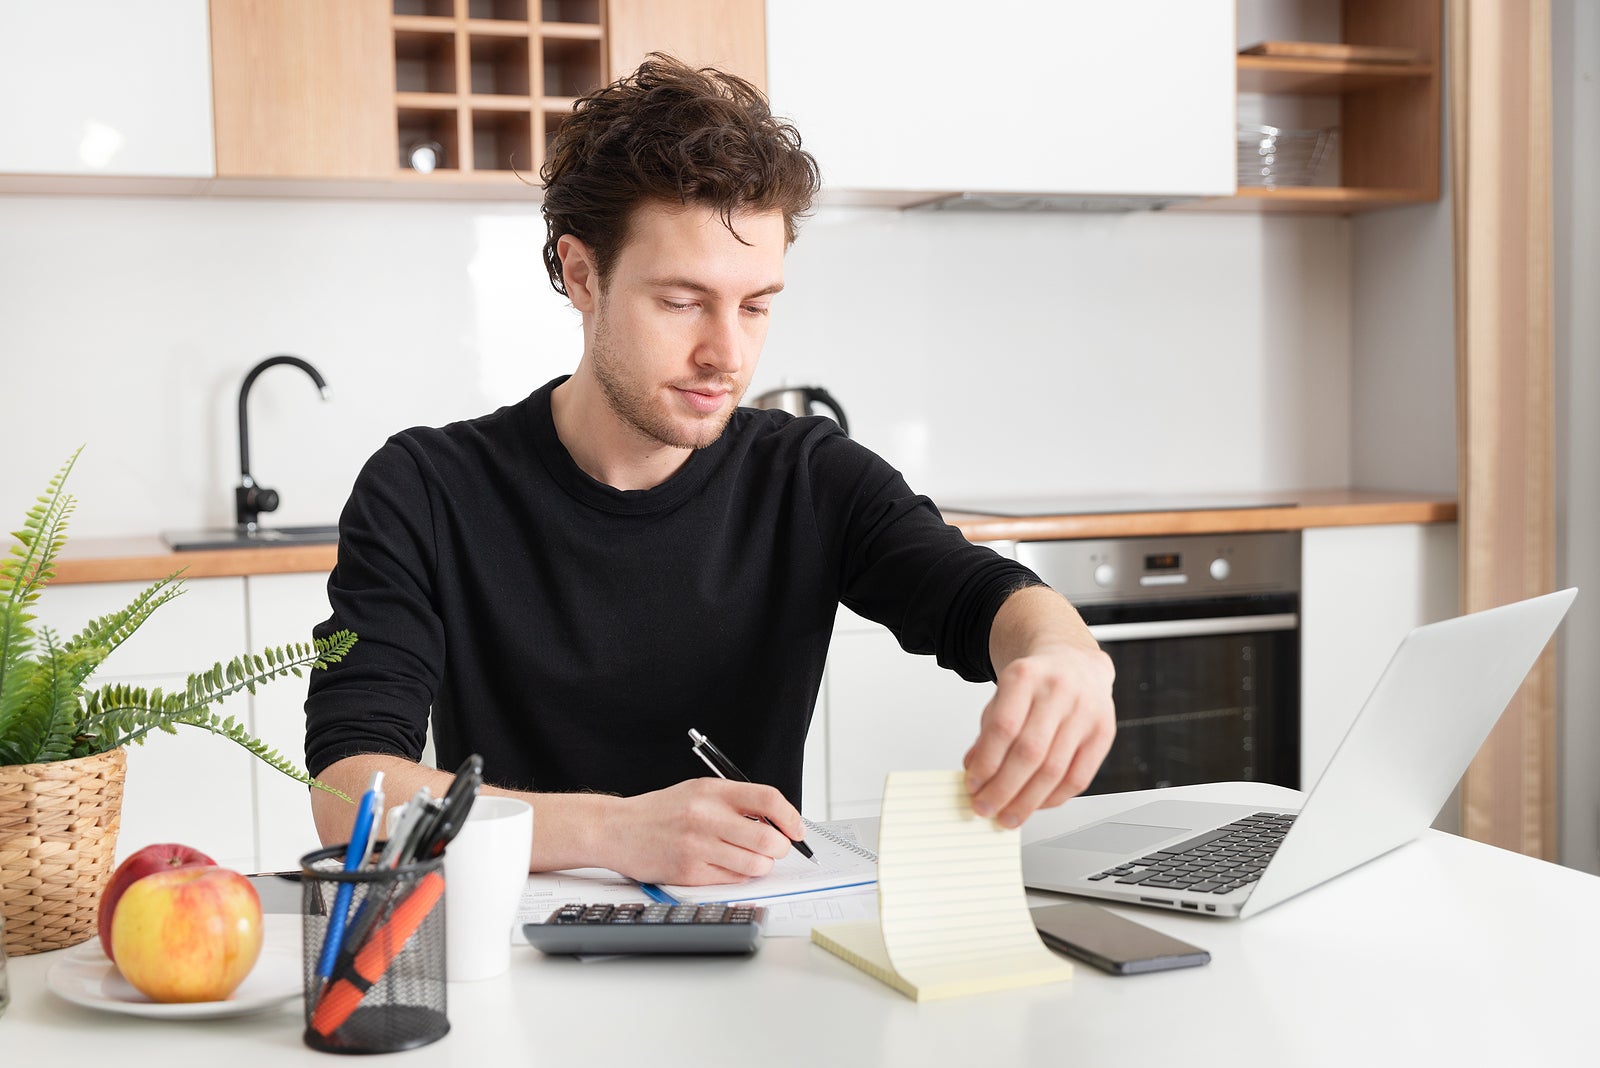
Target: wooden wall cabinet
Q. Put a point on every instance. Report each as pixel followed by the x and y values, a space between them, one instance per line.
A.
pixel 458 94
pixel 302 88
pixel 1389 109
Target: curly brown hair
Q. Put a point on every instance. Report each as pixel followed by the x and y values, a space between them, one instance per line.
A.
pixel 668 132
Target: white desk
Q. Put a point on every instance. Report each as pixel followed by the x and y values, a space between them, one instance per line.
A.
pixel 1478 956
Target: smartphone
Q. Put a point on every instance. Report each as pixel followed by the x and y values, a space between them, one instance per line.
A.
pixel 1111 943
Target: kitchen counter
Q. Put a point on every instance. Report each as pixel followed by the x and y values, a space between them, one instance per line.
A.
pixel 148 558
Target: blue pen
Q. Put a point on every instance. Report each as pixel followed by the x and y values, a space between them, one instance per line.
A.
pixel 354 855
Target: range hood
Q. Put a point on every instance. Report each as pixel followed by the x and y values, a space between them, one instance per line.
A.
pixel 1079 202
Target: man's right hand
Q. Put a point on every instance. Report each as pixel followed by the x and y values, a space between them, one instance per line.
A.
pixel 700 832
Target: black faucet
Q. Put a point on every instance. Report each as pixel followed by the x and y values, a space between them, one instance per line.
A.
pixel 249 499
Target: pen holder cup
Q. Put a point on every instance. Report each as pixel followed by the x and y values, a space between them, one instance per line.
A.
pixel 383 988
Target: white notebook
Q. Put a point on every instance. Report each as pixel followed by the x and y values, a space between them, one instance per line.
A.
pixel 845 860
pixel 952 914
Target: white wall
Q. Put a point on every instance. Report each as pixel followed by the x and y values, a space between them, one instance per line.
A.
pixel 984 354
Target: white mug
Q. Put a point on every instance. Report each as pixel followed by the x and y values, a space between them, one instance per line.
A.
pixel 485 869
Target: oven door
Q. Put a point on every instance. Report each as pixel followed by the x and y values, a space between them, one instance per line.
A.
pixel 1206 691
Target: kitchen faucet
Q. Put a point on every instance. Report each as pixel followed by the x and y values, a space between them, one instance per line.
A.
pixel 250 500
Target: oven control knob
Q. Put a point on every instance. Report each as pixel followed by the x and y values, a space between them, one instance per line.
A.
pixel 1220 568
pixel 1105 575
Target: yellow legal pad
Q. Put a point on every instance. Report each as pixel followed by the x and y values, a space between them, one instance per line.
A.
pixel 952 915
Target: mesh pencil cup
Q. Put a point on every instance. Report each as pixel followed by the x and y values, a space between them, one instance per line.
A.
pixel 381 988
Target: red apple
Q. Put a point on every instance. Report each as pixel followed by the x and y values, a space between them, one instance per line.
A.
pixel 147 861
pixel 191 934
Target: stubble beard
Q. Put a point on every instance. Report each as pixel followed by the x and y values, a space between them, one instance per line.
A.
pixel 639 405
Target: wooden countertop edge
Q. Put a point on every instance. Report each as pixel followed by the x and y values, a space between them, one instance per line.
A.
pixel 1218 521
pixel 148 558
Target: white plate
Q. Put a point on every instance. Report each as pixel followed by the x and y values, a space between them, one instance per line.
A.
pixel 85 976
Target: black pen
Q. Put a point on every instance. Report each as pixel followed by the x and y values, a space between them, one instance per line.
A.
pixel 725 769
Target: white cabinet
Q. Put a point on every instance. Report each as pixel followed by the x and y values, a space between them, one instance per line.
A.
pixel 282 609
pixel 1076 96
pixel 1362 590
pixel 887 711
pixel 195 787
pixel 113 87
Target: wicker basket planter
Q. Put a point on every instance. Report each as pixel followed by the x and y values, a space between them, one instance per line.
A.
pixel 58 835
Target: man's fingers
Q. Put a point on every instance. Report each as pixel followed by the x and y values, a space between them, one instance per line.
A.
pixel 1047 776
pixel 1035 751
pixel 1090 755
pixel 1002 720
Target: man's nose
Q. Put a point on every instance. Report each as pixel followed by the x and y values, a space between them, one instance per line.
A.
pixel 721 345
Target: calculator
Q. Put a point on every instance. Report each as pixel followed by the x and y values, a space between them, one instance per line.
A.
pixel 641 928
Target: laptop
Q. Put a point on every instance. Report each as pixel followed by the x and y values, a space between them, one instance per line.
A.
pixel 1426 718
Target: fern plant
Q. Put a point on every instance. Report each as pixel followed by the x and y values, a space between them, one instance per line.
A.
pixel 47 712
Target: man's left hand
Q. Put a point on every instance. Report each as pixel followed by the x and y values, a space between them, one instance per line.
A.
pixel 1051 720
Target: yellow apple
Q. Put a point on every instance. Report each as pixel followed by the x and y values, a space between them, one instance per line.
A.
pixel 188 934
pixel 152 858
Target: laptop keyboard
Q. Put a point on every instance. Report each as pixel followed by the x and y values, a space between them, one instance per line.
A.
pixel 1215 862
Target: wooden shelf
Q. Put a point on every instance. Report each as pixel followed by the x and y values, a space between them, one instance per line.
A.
pixel 569 31
pixel 1311 77
pixel 1307 200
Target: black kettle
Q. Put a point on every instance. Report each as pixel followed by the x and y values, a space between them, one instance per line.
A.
pixel 802 400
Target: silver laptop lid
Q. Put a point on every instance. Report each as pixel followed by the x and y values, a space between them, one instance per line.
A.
pixel 1431 710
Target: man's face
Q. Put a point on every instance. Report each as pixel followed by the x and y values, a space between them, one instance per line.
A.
pixel 679 324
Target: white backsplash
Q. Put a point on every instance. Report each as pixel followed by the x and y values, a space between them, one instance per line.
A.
pixel 982 354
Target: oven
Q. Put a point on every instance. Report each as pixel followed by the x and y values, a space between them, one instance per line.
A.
pixel 1204 631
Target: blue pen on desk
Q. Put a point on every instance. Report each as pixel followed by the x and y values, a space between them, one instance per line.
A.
pixel 355 855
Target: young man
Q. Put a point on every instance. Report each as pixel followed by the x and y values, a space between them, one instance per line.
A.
pixel 573 582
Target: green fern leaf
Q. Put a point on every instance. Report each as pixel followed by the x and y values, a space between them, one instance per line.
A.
pixel 25 570
pixel 56 697
pixel 111 630
pixel 118 714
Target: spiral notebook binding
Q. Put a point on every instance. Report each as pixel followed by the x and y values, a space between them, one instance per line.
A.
pixel 843 843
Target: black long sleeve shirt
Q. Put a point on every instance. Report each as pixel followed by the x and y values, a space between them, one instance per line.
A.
pixel 572 633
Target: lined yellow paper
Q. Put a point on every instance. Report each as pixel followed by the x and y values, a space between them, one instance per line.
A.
pixel 952 915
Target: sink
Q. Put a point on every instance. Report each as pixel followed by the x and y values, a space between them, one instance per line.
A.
pixel 260 538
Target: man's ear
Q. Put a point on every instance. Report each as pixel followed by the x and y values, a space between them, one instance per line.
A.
pixel 578 272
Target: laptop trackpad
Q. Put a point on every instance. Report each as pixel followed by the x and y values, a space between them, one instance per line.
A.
pixel 1114 837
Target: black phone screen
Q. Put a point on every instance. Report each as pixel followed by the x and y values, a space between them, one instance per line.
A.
pixel 1110 942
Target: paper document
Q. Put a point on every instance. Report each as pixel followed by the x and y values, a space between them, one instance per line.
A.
pixel 844 859
pixel 544 892
pixel 952 915
pixel 794 917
